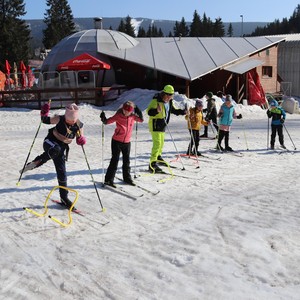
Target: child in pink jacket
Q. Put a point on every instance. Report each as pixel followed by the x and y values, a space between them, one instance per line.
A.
pixel 124 118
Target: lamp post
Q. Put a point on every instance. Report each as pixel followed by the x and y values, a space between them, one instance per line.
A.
pixel 242 29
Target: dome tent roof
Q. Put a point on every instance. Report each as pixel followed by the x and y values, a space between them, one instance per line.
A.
pixel 90 41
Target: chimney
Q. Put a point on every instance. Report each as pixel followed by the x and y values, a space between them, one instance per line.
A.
pixel 98 23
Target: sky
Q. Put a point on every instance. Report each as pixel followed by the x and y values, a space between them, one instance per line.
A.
pixel 229 11
pixel 230 230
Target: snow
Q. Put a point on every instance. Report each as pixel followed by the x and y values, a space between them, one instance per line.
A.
pixel 230 231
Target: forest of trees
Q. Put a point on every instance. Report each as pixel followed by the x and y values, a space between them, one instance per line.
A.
pixel 15 33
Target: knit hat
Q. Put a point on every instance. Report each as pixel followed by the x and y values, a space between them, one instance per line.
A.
pixel 128 106
pixel 198 103
pixel 228 98
pixel 72 112
pixel 209 94
pixel 274 103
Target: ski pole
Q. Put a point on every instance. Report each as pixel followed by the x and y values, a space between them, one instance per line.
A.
pixel 245 137
pixel 102 134
pixel 192 140
pixel 268 133
pixel 103 209
pixel 183 168
pixel 36 134
pixel 289 136
pixel 135 150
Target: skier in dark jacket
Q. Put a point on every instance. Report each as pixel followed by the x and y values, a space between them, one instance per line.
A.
pixel 56 144
pixel 211 114
pixel 278 115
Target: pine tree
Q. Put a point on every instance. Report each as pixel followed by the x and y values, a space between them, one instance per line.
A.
pixel 230 30
pixel 195 28
pixel 218 28
pixel 59 22
pixel 181 29
pixel 127 27
pixel 14 33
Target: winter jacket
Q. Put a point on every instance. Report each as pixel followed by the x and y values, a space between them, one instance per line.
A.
pixel 195 119
pixel 159 120
pixel 211 109
pixel 226 114
pixel 277 113
pixel 124 125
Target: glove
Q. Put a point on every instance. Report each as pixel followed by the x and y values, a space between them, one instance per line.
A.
pixel 239 116
pixel 206 119
pixel 103 117
pixel 205 110
pixel 281 121
pixel 138 112
pixel 81 140
pixel 45 110
pixel 269 113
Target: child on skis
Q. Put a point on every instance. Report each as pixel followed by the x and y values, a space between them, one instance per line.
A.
pixel 195 119
pixel 124 119
pixel 211 113
pixel 226 114
pixel 56 144
pixel 278 115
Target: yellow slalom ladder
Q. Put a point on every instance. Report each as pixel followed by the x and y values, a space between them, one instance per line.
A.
pixel 169 177
pixel 46 207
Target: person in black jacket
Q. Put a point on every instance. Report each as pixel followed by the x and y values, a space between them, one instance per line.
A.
pixel 211 113
pixel 56 144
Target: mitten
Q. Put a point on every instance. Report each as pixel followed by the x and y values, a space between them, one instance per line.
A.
pixel 281 121
pixel 239 116
pixel 269 113
pixel 81 140
pixel 103 117
pixel 45 110
pixel 205 110
pixel 138 112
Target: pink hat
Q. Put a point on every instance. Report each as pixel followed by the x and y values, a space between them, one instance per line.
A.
pixel 72 112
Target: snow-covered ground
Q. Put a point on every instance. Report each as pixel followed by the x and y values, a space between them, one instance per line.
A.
pixel 229 231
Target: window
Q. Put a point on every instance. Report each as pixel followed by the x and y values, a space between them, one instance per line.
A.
pixel 267 71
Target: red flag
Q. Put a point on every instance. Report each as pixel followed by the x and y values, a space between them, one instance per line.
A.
pixel 7 67
pixel 23 70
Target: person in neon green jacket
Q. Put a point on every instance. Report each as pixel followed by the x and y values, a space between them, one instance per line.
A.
pixel 159 111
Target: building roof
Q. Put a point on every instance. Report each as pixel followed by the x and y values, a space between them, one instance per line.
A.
pixel 186 57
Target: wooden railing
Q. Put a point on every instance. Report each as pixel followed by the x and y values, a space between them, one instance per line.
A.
pixel 35 98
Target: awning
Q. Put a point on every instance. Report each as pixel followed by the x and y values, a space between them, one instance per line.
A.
pixel 84 61
pixel 244 66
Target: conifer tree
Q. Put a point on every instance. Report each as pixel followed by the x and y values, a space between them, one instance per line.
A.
pixel 59 22
pixel 230 30
pixel 14 32
pixel 126 27
pixel 195 28
pixel 218 28
pixel 181 29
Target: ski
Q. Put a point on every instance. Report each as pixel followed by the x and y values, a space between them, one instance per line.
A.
pixel 233 153
pixel 199 156
pixel 76 211
pixel 137 185
pixel 120 190
pixel 168 173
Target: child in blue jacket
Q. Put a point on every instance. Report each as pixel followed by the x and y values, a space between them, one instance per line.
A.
pixel 278 117
pixel 226 114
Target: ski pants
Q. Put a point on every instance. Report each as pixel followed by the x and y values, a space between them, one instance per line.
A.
pixel 158 140
pixel 277 129
pixel 56 151
pixel 116 149
pixel 194 142
pixel 214 121
pixel 221 135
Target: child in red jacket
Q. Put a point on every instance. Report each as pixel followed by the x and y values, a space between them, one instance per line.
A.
pixel 124 118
